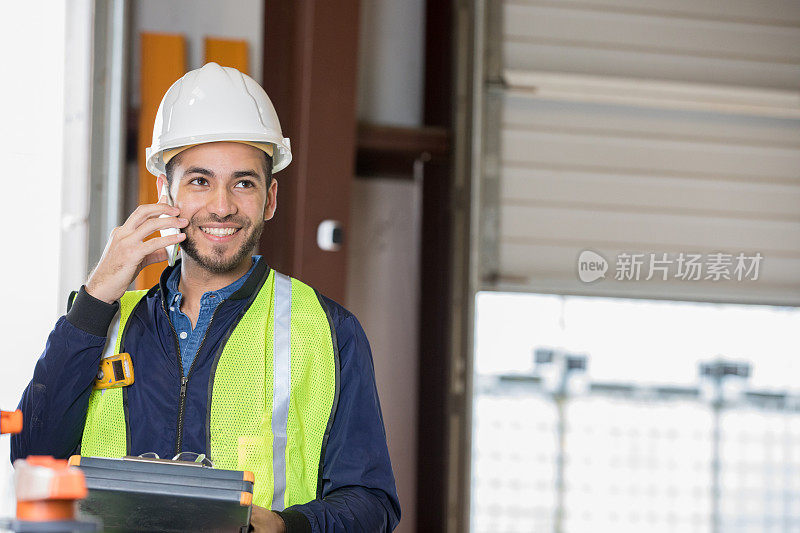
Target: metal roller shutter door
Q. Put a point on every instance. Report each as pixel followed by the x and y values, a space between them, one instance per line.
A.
pixel 623 126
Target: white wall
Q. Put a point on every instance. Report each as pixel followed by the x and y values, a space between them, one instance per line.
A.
pixel 46 200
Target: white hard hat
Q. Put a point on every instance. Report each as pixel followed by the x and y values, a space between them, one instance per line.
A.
pixel 211 104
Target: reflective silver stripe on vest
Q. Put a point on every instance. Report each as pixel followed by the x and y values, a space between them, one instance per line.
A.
pixel 281 385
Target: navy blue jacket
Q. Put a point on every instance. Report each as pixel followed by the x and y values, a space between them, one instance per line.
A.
pixel 357 492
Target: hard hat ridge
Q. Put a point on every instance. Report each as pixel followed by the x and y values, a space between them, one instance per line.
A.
pixel 211 104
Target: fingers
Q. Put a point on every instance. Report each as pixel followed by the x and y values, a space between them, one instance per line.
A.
pixel 146 212
pixel 156 224
pixel 153 245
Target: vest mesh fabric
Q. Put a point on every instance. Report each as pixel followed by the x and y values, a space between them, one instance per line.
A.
pixel 241 406
pixel 241 398
pixel 104 434
pixel 313 390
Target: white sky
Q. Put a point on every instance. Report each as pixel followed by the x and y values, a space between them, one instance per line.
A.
pixel 638 340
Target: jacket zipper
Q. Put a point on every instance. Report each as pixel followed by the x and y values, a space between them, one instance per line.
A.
pixel 181 408
pixel 185 379
pixel 182 400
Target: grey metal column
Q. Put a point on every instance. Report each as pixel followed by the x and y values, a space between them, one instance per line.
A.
pixel 558 371
pixel 107 163
pixel 716 376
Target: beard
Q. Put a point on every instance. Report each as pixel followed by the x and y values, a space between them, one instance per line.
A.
pixel 216 261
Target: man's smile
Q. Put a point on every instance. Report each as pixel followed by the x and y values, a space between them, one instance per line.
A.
pixel 219 232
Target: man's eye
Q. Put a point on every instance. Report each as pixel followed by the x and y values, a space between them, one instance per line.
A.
pixel 245 184
pixel 198 181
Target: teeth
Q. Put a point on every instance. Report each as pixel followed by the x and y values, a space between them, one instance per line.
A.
pixel 219 232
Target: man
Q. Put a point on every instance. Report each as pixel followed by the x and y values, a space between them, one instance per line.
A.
pixel 232 360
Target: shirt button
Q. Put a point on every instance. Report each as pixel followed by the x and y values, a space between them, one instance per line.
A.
pixel 184 334
pixel 171 308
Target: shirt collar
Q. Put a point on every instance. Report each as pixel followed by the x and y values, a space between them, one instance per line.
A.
pixel 174 294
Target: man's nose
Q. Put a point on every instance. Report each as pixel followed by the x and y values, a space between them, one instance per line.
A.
pixel 221 203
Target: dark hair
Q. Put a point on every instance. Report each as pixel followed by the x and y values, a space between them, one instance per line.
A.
pixel 169 170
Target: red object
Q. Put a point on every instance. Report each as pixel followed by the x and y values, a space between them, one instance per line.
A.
pixel 10 421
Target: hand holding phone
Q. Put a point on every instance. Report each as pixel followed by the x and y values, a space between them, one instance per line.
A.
pixel 128 250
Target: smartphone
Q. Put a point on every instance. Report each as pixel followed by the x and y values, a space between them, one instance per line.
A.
pixel 172 249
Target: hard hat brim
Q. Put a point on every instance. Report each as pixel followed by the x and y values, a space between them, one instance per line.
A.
pixel 281 158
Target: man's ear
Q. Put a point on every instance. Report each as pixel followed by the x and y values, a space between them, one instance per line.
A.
pixel 272 200
pixel 161 182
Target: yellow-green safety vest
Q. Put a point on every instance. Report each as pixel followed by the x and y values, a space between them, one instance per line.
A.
pixel 275 386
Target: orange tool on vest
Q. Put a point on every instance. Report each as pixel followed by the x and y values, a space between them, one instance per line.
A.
pixel 115 371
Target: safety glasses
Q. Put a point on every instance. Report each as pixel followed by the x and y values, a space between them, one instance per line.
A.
pixel 189 457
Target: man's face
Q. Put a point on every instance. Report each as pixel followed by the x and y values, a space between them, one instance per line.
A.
pixel 221 188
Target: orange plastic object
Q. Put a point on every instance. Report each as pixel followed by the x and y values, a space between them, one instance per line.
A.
pixel 50 497
pixel 70 485
pixel 11 421
pixel 67 484
pixel 75 460
pixel 248 476
pixel 46 510
pixel 246 499
pixel 228 53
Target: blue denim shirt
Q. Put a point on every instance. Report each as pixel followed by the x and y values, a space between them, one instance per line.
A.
pixel 189 340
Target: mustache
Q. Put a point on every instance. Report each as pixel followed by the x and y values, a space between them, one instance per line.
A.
pixel 230 219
